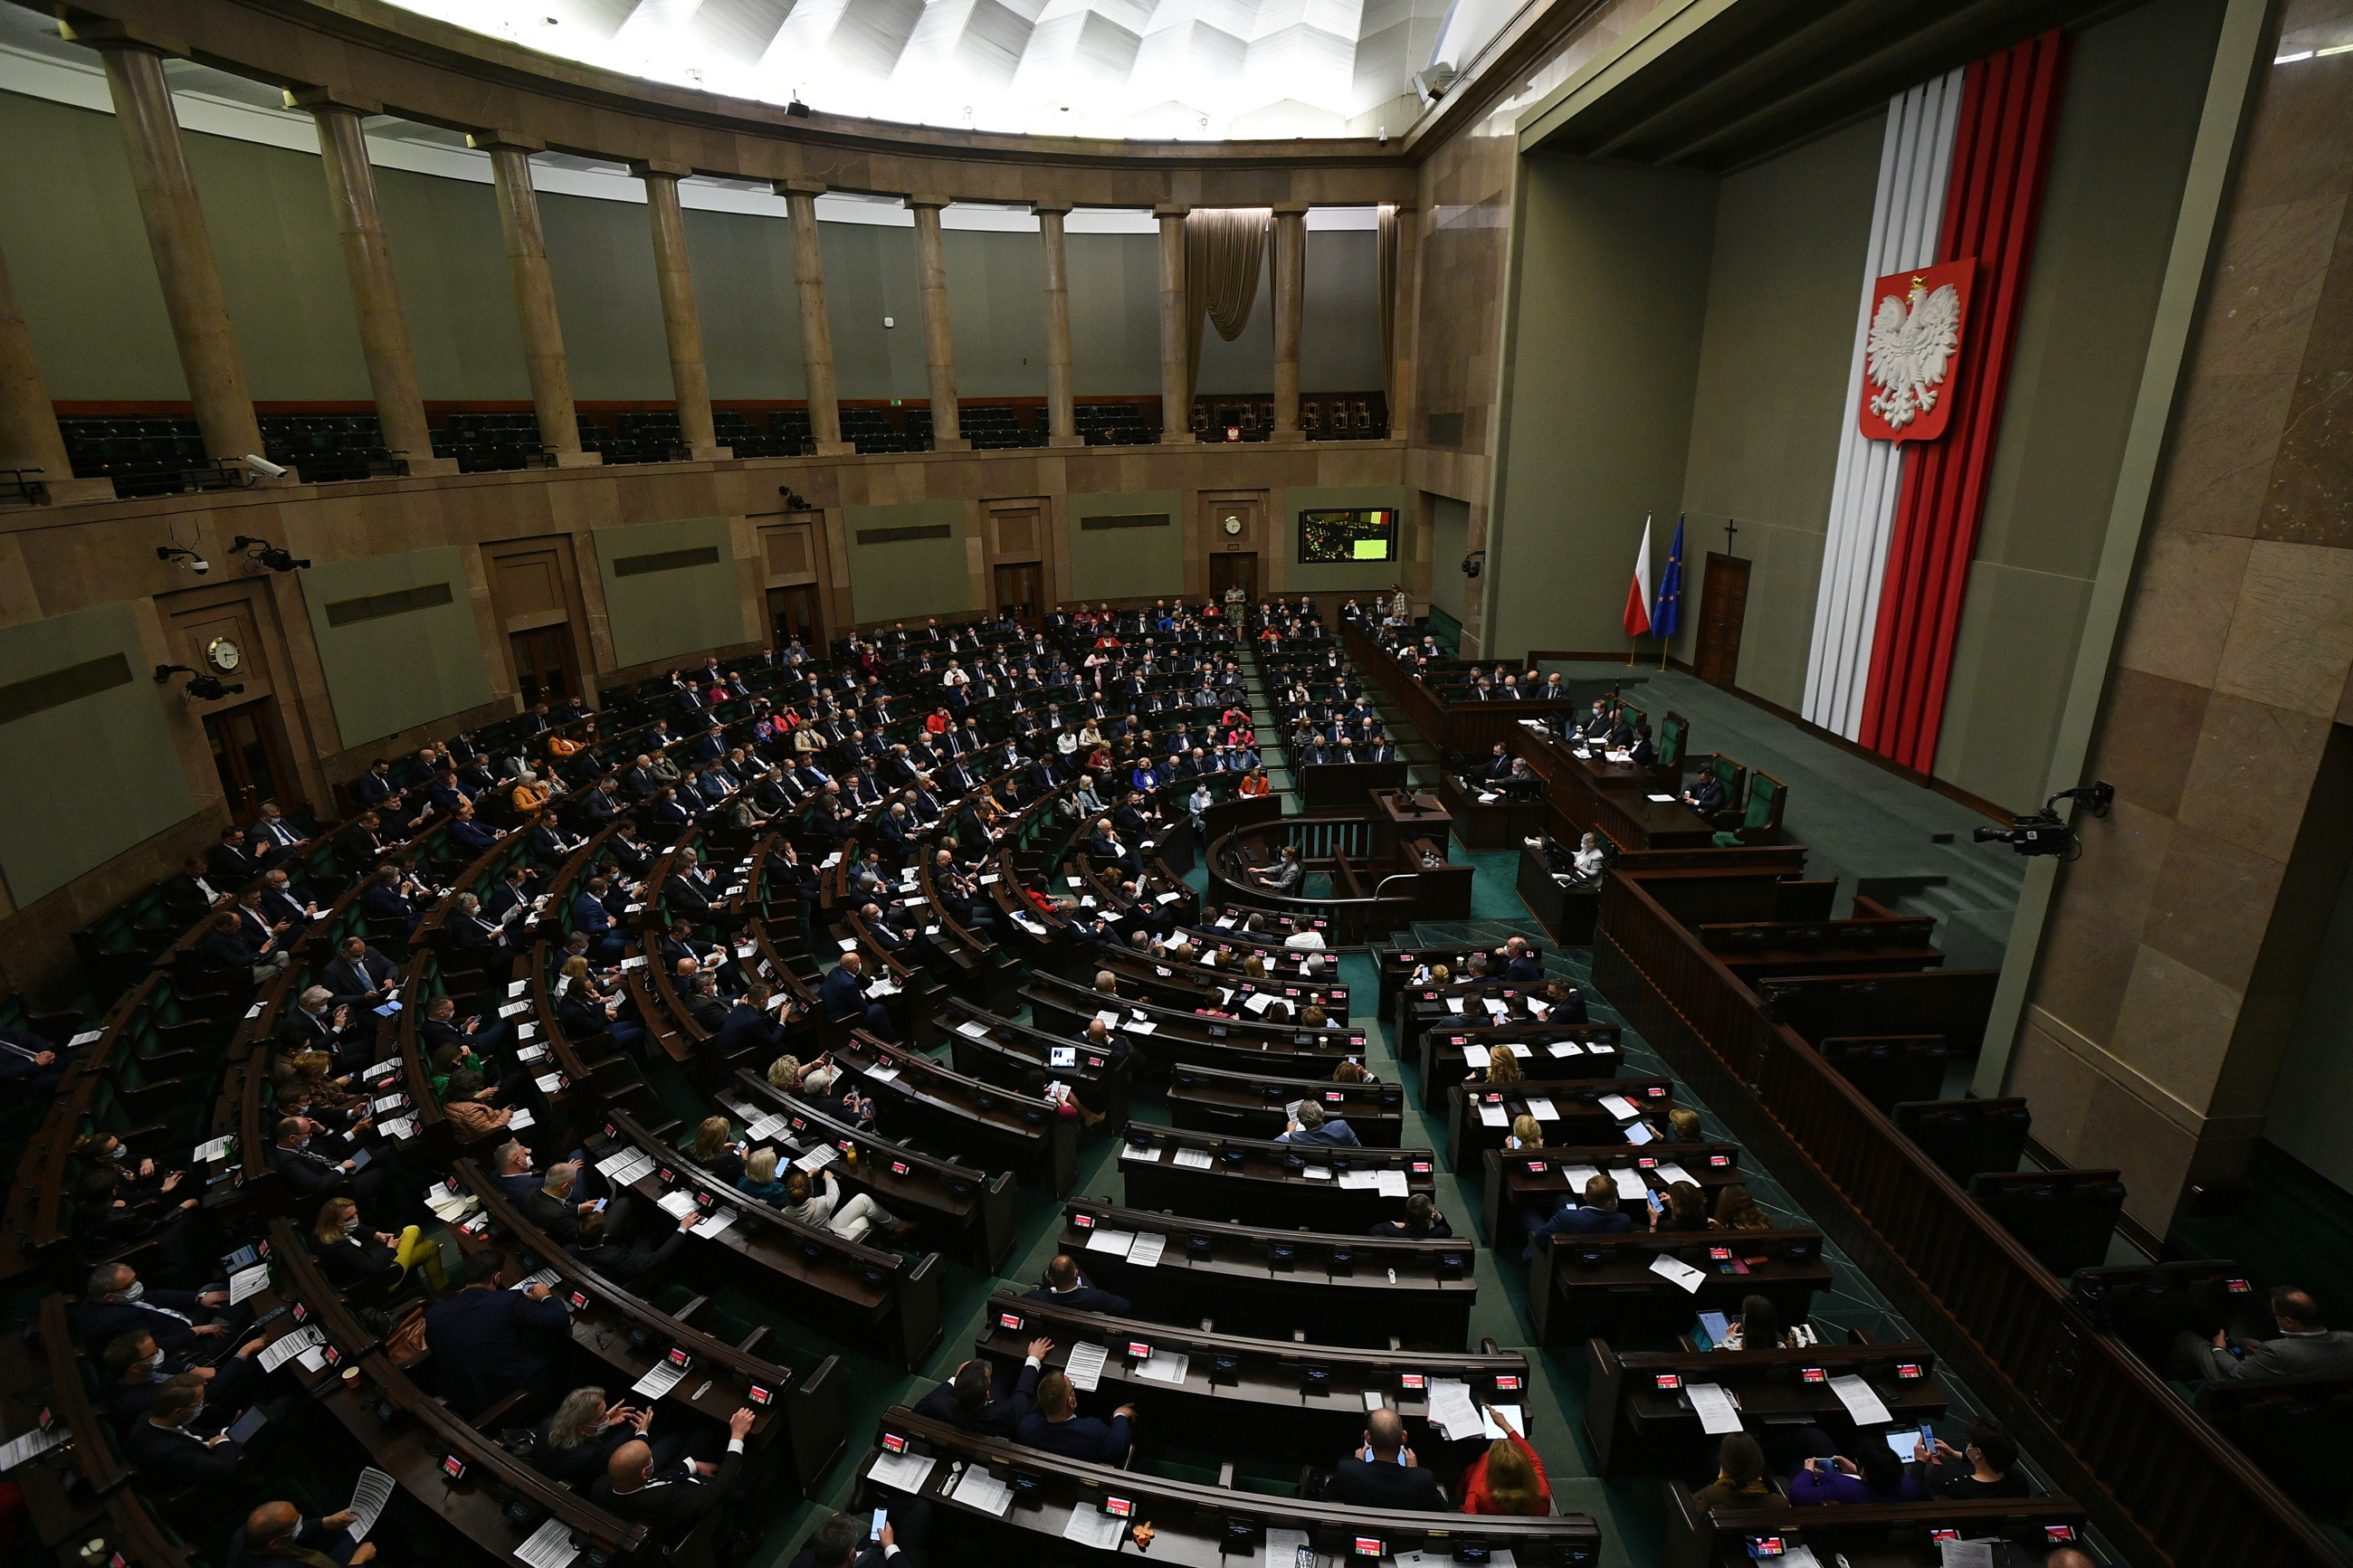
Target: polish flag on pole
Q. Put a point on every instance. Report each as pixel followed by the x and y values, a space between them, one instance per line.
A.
pixel 1638 594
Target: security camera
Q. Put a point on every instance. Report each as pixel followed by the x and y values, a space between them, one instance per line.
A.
pixel 2042 832
pixel 268 554
pixel 263 466
pixel 185 558
pixel 1474 562
pixel 206 688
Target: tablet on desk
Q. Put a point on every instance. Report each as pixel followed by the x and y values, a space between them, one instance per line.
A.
pixel 1062 1056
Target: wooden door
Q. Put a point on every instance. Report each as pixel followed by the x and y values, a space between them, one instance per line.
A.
pixel 792 613
pixel 1019 591
pixel 244 742
pixel 1239 570
pixel 1724 604
pixel 542 661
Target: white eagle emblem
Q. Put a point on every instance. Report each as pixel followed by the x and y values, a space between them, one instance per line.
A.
pixel 1909 350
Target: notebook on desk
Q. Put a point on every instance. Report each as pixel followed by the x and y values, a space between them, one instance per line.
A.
pixel 1713 1327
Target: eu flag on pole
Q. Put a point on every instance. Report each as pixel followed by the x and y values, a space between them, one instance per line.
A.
pixel 1668 612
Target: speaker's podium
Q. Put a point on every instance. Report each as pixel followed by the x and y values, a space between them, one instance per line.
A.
pixel 1414 830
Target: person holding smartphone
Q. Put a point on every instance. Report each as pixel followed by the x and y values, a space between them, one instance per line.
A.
pixel 898 1533
pixel 1877 1476
pixel 1986 1468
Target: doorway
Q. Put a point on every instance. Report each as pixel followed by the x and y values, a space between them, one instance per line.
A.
pixel 1236 570
pixel 792 614
pixel 1019 591
pixel 544 671
pixel 1723 606
pixel 244 742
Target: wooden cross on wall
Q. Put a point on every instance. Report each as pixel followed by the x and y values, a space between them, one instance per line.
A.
pixel 1731 528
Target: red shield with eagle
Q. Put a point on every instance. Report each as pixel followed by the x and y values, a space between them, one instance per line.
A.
pixel 1911 351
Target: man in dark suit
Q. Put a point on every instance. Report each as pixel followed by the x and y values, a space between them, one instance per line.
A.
pixel 1057 1426
pixel 748 1028
pixel 842 994
pixel 631 1238
pixel 965 1400
pixel 316 1022
pixel 669 1501
pixel 387 898
pixel 1066 1287
pixel 231 863
pixel 1597 1215
pixel 169 1454
pixel 1383 1473
pixel 1519 962
pixel 360 975
pixel 28 1060
pixel 116 1302
pixel 488 1341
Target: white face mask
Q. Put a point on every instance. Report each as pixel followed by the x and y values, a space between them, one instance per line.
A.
pixel 132 1292
pixel 352 1226
pixel 155 1361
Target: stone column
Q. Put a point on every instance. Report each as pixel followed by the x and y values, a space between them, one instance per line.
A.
pixel 1176 392
pixel 939 337
pixel 183 246
pixel 367 264
pixel 1404 316
pixel 817 327
pixel 682 322
pixel 1290 288
pixel 543 335
pixel 1062 418
pixel 29 437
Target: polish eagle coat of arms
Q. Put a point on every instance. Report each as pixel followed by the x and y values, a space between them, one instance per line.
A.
pixel 1911 351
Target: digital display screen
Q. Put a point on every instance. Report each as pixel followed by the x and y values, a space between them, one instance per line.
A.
pixel 1812 1374
pixel 1538 1167
pixel 760 1395
pixel 2053 1535
pixel 1370 1546
pixel 1766 1546
pixel 1907 1370
pixel 1412 1382
pixel 1009 1321
pixel 1083 1221
pixel 1667 1380
pixel 893 1444
pixel 580 1301
pixel 1719 1160
pixel 1139 1350
pixel 1942 1535
pixel 899 1167
pixel 1507 1384
pixel 2237 1287
pixel 1119 1507
pixel 1421 1167
pixel 1720 1254
pixel 452 1466
pixel 679 1360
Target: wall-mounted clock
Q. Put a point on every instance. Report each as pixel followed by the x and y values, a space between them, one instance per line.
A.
pixel 1233 525
pixel 223 655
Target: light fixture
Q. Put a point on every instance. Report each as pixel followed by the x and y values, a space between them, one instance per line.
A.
pixel 267 554
pixel 185 558
pixel 204 687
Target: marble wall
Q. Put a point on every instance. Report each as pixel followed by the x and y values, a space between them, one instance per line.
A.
pixel 2179 948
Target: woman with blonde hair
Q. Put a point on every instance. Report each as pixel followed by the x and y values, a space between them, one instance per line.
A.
pixel 529 793
pixel 1685 1123
pixel 351 1256
pixel 1508 1478
pixel 1504 1065
pixel 805 1205
pixel 784 1073
pixel 1527 1132
pixel 759 1177
pixel 1254 967
pixel 715 1149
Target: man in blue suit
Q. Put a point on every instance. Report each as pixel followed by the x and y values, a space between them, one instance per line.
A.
pixel 589 915
pixel 965 1401
pixel 1597 1215
pixel 28 1060
pixel 842 992
pixel 1057 1426
pixel 487 1341
pixel 1311 1128
pixel 470 834
pixel 1519 962
pixel 1066 1287
pixel 749 1029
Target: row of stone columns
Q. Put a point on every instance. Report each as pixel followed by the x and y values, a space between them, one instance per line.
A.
pixel 215 371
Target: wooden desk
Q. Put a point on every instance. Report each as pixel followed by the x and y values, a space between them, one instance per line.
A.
pixel 1618 1296
pixel 1302 1400
pixel 1403 815
pixel 1566 913
pixel 1545 1053
pixel 1880 1535
pixel 992 1127
pixel 1632 1422
pixel 971 1205
pixel 1063 1008
pixel 1254 1279
pixel 1517 1180
pixel 1489 824
pixel 983 1044
pixel 1580 1116
pixel 631 1336
pixel 1194 1526
pixel 1343 787
pixel 1250 1105
pixel 1245 1176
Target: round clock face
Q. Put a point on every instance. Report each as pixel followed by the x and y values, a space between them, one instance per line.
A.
pixel 223 654
pixel 1233 525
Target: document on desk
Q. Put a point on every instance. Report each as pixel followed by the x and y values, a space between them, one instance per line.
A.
pixel 817 1159
pixel 1476 1056
pixel 1577 1176
pixel 765 1127
pixel 1115 1242
pixel 1165 1366
pixel 1660 798
pixel 33 1444
pixel 1493 1116
pixel 1317 1172
pixel 1676 1271
pixel 374 1490
pixel 977 1488
pixel 1541 1109
pixel 1090 1526
pixel 286 1347
pixel 716 1222
pixel 1966 1553
pixel 1451 1408
pixel 550 1546
pixel 1259 1003
pixel 1618 1105
pixel 1150 1152
pixel 247 1282
pixel 547 1277
pixel 882 1073
pixel 1283 1547
pixel 1718 1414
pixel 1631 1188
pixel 1454 1004
pixel 1670 1172
pixel 1862 1403
pixel 213 1149
pixel 678 1205
pixel 625 1167
pixel 1145 1252
pixel 1352 1181
pixel 1085 1366
pixel 906 1473
pixel 1500 1009
pixel 1194 1159
pixel 521 1118
pixel 1559 1049
pixel 1391 1183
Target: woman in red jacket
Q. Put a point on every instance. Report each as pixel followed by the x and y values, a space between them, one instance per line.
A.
pixel 1508 1478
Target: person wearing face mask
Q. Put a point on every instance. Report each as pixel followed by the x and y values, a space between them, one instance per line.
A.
pixel 168 1448
pixel 116 1302
pixel 352 1254
pixel 312 1163
pixel 136 1367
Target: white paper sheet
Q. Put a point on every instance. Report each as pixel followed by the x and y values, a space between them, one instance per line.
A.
pixel 285 1348
pixel 1194 1159
pixel 1115 1242
pixel 1146 1250
pixel 247 1282
pixel 678 1205
pixel 978 1488
pixel 33 1444
pixel 905 1472
pixel 1560 1048
pixel 1676 1271
pixel 1861 1401
pixel 1165 1366
pixel 716 1222
pixel 1149 1154
pixel 972 1030
pixel 373 1489
pixel 1670 1172
pixel 1515 1415
pixel 1085 1366
pixel 1476 1056
pixel 520 1119
pixel 1450 1408
pixel 1317 1172
pixel 550 1546
pixel 213 1149
pixel 1618 1105
pixel 1392 1184
pixel 1577 1176
pixel 1283 1547
pixel 1717 1411
pixel 1631 1188
pixel 1494 1116
pixel 399 1127
pixel 1541 1109
pixel 1454 1004
pixel 1090 1527
pixel 817 1159
pixel 1351 1181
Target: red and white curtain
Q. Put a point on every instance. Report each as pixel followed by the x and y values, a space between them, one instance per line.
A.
pixel 1961 177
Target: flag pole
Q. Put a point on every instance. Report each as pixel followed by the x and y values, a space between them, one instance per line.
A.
pixel 1630 651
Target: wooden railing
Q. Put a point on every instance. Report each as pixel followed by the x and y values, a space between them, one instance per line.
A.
pixel 2164 1486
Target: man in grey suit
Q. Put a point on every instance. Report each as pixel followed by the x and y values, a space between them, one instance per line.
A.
pixel 2306 1347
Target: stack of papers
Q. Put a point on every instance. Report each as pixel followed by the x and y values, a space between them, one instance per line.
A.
pixel 1115 1242
pixel 1146 1249
pixel 972 1030
pixel 678 1205
pixel 1085 1366
pixel 1150 1153
pixel 214 1149
pixel 765 1127
pixel 550 1546
pixel 399 1126
pixel 982 1490
pixel 907 1472
pixel 1451 1409
pixel 658 1380
pixel 627 1166
pixel 1165 1366
pixel 1194 1159
pixel 1718 1414
pixel 1283 1547
pixel 547 1277
pixel 1090 1526
pixel 285 1348
pixel 247 1282
pixel 1391 1184
pixel 817 1159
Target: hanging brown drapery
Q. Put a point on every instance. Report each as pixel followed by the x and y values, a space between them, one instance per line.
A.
pixel 1386 249
pixel 1224 249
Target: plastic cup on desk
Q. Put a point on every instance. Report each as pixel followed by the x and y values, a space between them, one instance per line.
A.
pixel 351 1378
